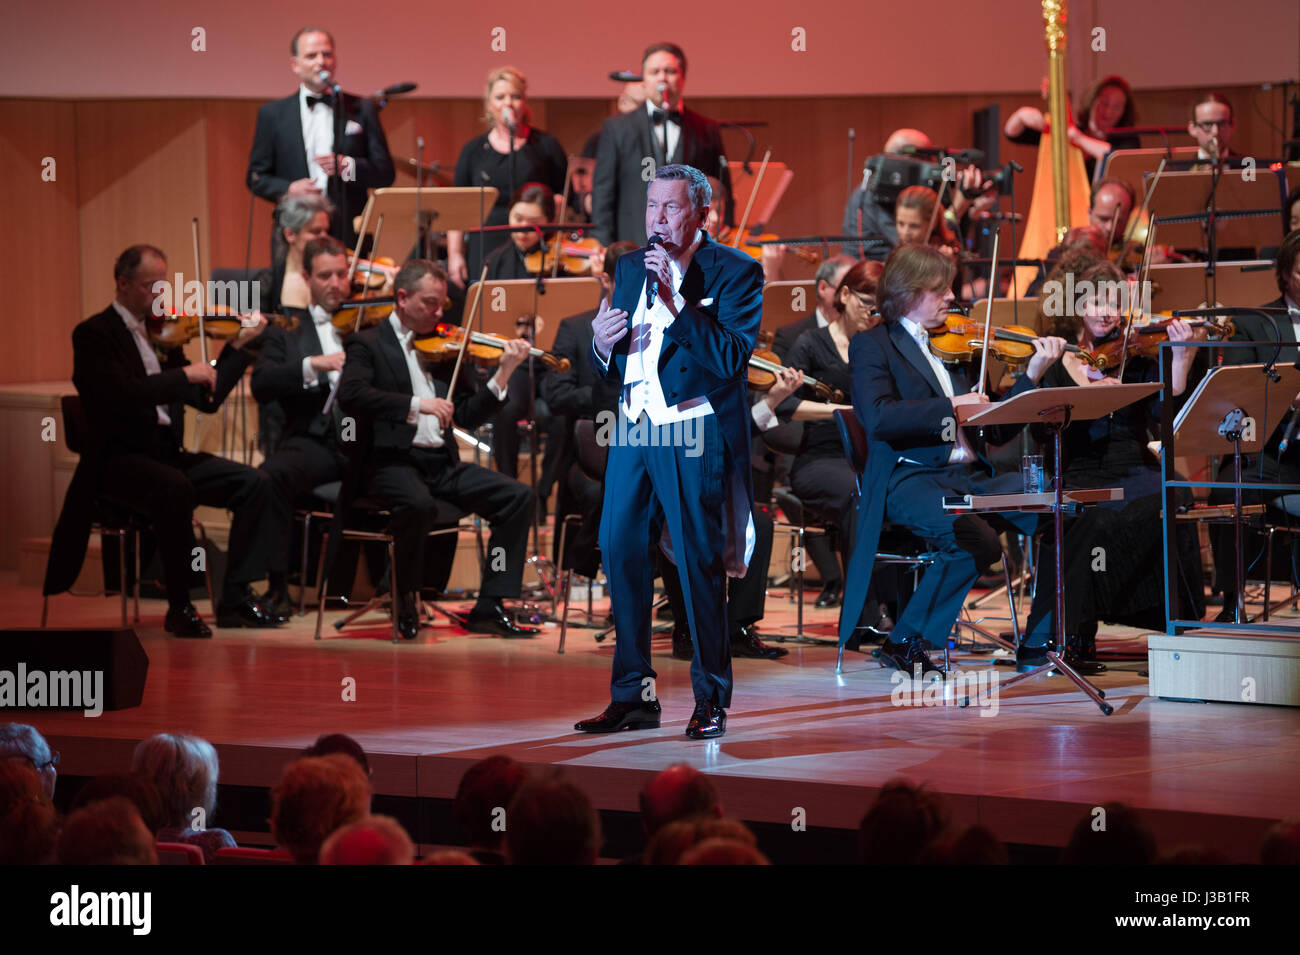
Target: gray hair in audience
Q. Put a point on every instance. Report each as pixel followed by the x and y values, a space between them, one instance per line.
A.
pixel 184 768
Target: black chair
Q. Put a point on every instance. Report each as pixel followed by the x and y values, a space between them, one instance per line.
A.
pixel 591 457
pixel 112 518
pixel 900 546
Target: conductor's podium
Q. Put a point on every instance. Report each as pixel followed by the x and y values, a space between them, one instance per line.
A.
pixel 1259 666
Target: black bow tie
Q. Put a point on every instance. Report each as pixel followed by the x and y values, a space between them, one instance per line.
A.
pixel 313 100
pixel 661 115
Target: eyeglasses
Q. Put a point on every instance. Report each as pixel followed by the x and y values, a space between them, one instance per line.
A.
pixel 866 301
pixel 52 761
pixel 1210 125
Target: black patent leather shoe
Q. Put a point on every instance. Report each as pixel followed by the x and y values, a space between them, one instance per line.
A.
pixel 905 656
pixel 247 613
pixel 683 648
pixel 497 621
pixel 277 606
pixel 1083 665
pixel 831 593
pixel 408 626
pixel 709 721
pixel 745 643
pixel 641 715
pixel 1030 658
pixel 186 622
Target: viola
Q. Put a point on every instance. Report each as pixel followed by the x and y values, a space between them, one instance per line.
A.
pixel 445 342
pixel 960 339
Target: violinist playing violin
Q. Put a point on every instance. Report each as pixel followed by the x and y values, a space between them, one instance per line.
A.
pixel 1109 452
pixel 297 371
pixel 410 413
pixel 533 204
pixel 134 397
pixel 908 401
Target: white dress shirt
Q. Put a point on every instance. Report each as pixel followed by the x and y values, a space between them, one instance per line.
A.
pixel 147 355
pixel 428 429
pixel 961 449
pixel 1294 311
pixel 673 128
pixel 318 139
pixel 330 344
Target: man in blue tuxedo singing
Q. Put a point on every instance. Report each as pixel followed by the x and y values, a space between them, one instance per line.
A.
pixel 679 342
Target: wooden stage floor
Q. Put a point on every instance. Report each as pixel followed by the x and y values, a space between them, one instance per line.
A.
pixel 799 737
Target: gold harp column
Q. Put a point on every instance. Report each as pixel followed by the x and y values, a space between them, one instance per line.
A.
pixel 1054 19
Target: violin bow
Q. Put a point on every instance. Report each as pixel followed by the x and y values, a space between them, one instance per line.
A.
pixel 749 205
pixel 352 269
pixel 1142 278
pixel 469 327
pixel 203 305
pixel 982 388
pixel 934 213
pixel 1146 204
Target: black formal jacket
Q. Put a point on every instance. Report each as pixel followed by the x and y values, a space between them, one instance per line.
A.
pixel 619 186
pixel 277 379
pixel 119 401
pixel 376 387
pixel 579 392
pixel 279 156
pixel 789 333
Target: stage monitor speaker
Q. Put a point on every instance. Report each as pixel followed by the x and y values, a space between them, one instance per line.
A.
pixel 80 669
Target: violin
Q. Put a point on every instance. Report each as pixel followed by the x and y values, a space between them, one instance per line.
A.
pixel 764 365
pixel 575 255
pixel 1013 345
pixel 445 342
pixel 372 274
pixel 355 314
pixel 1145 338
pixel 748 242
pixel 220 323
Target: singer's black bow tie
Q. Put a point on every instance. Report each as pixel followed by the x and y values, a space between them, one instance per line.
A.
pixel 313 100
pixel 660 115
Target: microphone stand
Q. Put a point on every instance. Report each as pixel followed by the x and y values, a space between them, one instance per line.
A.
pixel 1211 237
pixel 336 101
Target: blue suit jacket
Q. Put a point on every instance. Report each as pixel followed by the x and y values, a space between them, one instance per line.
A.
pixel 707 348
pixel 897 398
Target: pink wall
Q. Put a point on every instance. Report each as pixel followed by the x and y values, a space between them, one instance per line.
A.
pixel 101 48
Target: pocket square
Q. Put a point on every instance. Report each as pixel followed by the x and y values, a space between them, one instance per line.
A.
pixel 352 129
pixel 706 301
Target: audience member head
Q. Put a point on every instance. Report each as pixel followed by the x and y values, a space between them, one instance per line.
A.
pixel 1114 836
pixel 916 284
pixel 19 739
pixel 108 832
pixel 679 792
pixel 973 845
pixel 675 839
pixel 449 857
pixel 856 297
pixel 184 768
pixel 485 791
pixel 136 789
pixel 1281 845
pixel 899 825
pixel 29 826
pixel 1193 855
pixel 551 822
pixel 331 743
pixel 371 840
pixel 315 796
pixel 722 852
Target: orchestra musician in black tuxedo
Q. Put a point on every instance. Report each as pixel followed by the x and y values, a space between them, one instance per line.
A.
pixel 294 150
pixel 678 340
pixel 297 371
pixel 413 457
pixel 133 397
pixel 907 401
pixel 632 144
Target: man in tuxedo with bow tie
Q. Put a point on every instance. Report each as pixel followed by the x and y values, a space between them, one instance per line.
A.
pixel 294 148
pixel 908 401
pixel 298 370
pixel 413 461
pixel 677 337
pixel 635 144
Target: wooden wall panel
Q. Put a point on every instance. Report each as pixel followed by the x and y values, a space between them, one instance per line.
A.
pixel 228 137
pixel 141 177
pixel 39 244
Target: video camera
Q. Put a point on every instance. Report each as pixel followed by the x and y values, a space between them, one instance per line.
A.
pixel 888 174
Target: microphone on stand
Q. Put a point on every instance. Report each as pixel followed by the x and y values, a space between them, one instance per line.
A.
pixel 326 79
pixel 508 115
pixel 1289 433
pixel 652 279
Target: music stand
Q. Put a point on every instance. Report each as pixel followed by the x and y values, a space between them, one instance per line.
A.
pixel 786 302
pixel 501 306
pixel 1221 409
pixel 1182 284
pixel 776 178
pixel 1246 214
pixel 1133 166
pixel 1055 408
pixel 450 209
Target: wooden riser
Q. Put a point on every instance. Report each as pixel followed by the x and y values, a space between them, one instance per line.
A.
pixel 1258 667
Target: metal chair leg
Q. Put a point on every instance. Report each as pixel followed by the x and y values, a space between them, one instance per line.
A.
pixel 564 615
pixel 320 582
pixel 135 547
pixel 121 571
pixel 45 609
pixel 393 593
pixel 302 572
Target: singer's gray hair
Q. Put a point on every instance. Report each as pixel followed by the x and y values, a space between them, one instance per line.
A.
pixel 295 212
pixel 697 183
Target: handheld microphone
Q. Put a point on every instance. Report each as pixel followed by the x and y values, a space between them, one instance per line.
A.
pixel 625 76
pixel 1289 433
pixel 652 279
